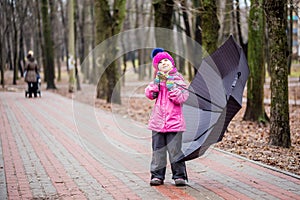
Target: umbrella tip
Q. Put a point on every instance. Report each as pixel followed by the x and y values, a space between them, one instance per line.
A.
pixel 156 51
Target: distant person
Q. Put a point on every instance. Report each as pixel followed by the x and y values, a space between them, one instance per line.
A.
pixel 167 121
pixel 31 74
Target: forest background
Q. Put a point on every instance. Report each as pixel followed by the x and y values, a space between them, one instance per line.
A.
pixel 266 129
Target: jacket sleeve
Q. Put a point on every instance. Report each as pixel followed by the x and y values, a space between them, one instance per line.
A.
pixel 150 89
pixel 179 95
pixel 26 66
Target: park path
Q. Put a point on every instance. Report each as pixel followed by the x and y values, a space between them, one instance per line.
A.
pixel 57 148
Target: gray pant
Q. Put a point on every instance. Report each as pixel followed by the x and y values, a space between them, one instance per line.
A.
pixel 161 144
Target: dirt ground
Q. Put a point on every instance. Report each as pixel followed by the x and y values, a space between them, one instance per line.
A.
pixel 245 138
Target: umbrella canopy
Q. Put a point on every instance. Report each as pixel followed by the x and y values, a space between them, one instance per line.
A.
pixel 215 97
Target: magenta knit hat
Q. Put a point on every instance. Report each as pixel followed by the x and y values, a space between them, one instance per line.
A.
pixel 158 54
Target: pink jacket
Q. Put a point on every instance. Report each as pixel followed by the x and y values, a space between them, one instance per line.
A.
pixel 167 113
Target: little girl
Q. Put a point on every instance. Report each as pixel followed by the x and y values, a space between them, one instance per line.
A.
pixel 167 121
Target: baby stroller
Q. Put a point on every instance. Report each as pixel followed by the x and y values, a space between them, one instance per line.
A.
pixel 34 88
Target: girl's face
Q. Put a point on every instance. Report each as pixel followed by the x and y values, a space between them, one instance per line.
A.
pixel 165 65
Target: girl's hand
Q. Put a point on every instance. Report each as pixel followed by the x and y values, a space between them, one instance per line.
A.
pixel 161 76
pixel 150 89
pixel 155 95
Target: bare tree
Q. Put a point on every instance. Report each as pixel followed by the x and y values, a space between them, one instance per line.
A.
pixel 64 23
pixel 77 38
pixel 225 20
pixel 290 34
pixel 93 78
pixel 22 9
pixel 15 41
pixel 84 31
pixel 209 25
pixel 50 72
pixel 276 19
pixel 39 39
pixel 255 110
pixel 163 15
pixel 112 21
pixel 3 30
pixel 71 46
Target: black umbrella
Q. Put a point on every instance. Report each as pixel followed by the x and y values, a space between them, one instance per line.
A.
pixel 215 97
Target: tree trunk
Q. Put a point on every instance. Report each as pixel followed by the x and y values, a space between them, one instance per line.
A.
pixel 9 50
pixel 185 17
pixel 76 17
pixel 40 38
pixel 239 29
pixel 94 71
pixel 109 84
pixel 276 20
pixel 198 38
pixel 140 52
pixel 84 41
pixel 114 93
pixel 290 36
pixel 58 67
pixel 49 52
pixel 209 25
pixel 65 30
pixel 21 58
pixel 71 46
pixel 15 45
pixel 226 21
pixel 2 63
pixel 3 31
pixel 102 19
pixel 163 14
pixel 255 110
pixel 180 44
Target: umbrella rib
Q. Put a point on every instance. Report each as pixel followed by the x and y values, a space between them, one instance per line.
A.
pixel 213 111
pixel 205 99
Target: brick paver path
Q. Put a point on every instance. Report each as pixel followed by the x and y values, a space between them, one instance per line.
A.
pixel 56 148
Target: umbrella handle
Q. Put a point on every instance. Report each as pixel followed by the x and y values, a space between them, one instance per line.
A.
pixel 237 76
